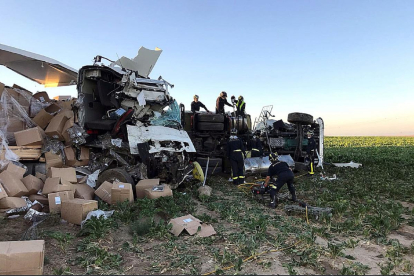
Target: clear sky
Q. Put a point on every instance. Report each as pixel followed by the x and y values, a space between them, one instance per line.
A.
pixel 349 62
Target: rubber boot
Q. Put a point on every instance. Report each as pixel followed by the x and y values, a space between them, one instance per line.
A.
pixel 273 202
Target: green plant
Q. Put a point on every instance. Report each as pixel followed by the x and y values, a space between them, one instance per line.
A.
pixel 97 259
pixel 386 268
pixel 335 250
pixel 62 238
pixel 97 227
pixel 62 271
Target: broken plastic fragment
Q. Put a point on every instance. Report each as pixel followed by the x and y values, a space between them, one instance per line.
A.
pixel 91 181
pixel 350 164
pixel 97 214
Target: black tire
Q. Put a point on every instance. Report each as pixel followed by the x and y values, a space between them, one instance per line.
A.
pixel 212 118
pixel 111 175
pixel 212 163
pixel 300 118
pixel 210 126
pixel 212 169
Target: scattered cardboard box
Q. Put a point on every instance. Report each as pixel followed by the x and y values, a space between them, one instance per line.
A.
pixel 42 97
pixel 15 125
pixel 43 118
pixel 104 192
pixel 52 109
pixel 71 160
pixel 54 185
pixel 67 105
pixel 76 210
pixel 53 160
pixel 55 127
pixel 15 170
pixel 29 137
pixel 12 202
pixel 84 191
pixel 154 192
pixel 22 257
pixel 69 123
pixel 40 198
pixel 55 200
pixel 32 183
pixel 41 176
pixel 121 192
pixel 68 174
pixel 145 184
pixel 192 225
pixel 3 193
pixel 12 184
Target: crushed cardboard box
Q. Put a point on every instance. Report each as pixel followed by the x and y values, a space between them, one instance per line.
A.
pixel 53 160
pixel 54 185
pixel 12 184
pixel 84 191
pixel 145 184
pixel 12 202
pixel 76 210
pixel 33 184
pixel 43 118
pixel 40 198
pixel 69 123
pixel 55 127
pixel 104 192
pixel 71 160
pixel 22 257
pixel 68 174
pixel 121 192
pixel 55 200
pixel 41 176
pixel 158 191
pixel 192 225
pixel 42 97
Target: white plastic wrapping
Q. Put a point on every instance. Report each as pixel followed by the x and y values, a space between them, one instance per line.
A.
pixel 98 214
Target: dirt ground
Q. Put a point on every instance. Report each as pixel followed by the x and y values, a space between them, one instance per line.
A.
pixel 192 255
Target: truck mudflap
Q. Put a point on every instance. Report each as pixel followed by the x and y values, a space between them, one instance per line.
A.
pixel 159 139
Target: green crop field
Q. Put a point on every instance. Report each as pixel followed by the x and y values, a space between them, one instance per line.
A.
pixel 370 231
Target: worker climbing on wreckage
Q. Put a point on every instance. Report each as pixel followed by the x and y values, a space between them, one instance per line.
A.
pixel 236 155
pixel 240 106
pixel 196 104
pixel 310 151
pixel 284 175
pixel 221 101
pixel 256 145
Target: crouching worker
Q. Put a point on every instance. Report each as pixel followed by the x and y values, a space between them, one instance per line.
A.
pixel 235 153
pixel 284 175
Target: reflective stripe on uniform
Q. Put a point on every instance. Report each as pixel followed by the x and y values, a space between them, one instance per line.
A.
pixel 272 186
pixel 235 177
pixel 241 105
pixel 237 150
pixel 256 149
pixel 241 176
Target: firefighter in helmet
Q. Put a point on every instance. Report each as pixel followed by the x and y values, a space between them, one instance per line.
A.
pixel 310 151
pixel 236 155
pixel 284 176
pixel 221 101
pixel 256 145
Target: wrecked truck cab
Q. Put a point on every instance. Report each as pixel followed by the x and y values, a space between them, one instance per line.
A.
pixel 120 100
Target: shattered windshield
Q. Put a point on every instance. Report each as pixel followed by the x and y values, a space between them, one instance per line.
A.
pixel 170 118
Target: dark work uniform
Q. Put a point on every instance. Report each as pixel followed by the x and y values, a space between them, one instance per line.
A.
pixel 240 105
pixel 220 102
pixel 236 153
pixel 256 147
pixel 310 150
pixel 284 175
pixel 195 106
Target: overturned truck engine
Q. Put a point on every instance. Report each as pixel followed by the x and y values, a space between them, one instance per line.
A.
pixel 132 121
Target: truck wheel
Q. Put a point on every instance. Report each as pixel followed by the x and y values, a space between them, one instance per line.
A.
pixel 210 126
pixel 213 118
pixel 300 118
pixel 117 174
pixel 212 163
